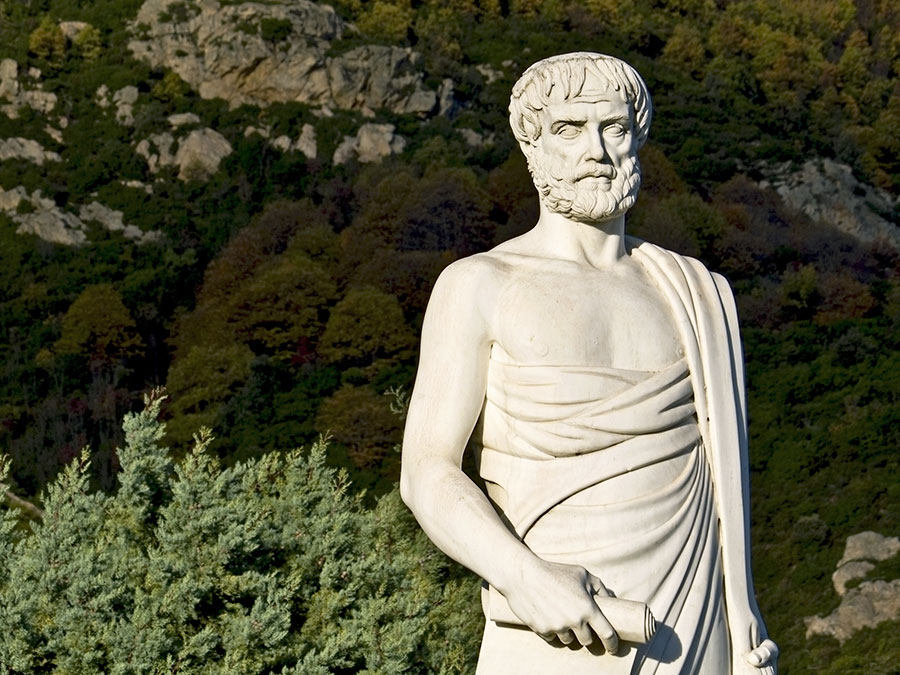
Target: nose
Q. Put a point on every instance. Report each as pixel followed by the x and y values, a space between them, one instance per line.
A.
pixel 595 149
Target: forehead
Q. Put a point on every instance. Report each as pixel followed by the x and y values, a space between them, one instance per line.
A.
pixel 589 109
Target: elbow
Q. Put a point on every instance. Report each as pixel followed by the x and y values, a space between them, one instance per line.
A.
pixel 407 487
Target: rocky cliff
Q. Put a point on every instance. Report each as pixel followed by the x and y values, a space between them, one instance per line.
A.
pixel 828 192
pixel 276 51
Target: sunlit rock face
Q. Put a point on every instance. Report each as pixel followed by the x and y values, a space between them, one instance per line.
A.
pixel 870 602
pixel 260 53
pixel 828 192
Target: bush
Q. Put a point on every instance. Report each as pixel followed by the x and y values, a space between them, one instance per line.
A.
pixel 275 30
pixel 268 566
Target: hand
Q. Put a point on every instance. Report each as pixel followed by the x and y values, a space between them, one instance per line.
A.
pixel 753 652
pixel 557 601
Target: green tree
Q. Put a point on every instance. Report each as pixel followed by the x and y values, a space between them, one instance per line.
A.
pixel 98 325
pixel 88 43
pixel 363 421
pixel 48 42
pixel 268 566
pixel 200 382
pixel 366 327
pixel 387 20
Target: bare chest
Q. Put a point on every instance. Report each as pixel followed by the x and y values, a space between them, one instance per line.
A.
pixel 576 316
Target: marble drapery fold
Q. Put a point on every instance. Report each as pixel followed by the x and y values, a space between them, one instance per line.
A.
pixel 626 461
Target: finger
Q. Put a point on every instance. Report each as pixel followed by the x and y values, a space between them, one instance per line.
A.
pixel 584 634
pixel 605 632
pixel 567 637
pixel 765 653
pixel 549 637
pixel 772 647
pixel 597 586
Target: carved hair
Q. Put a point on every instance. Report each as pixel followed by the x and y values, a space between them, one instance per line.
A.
pixel 563 77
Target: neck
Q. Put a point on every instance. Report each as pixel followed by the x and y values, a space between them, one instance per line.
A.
pixel 598 244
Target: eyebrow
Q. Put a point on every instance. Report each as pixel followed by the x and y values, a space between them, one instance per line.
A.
pixel 559 124
pixel 580 122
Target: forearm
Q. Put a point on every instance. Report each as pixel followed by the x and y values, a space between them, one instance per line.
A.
pixel 460 520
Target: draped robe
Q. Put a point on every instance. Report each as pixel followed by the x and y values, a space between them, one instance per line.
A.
pixel 614 470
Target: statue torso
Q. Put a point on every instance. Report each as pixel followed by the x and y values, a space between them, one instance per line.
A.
pixel 557 312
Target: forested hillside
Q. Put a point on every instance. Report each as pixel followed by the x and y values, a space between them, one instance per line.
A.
pixel 249 202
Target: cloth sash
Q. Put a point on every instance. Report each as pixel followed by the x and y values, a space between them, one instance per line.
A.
pixel 555 440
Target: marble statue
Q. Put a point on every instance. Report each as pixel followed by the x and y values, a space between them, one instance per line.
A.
pixel 599 381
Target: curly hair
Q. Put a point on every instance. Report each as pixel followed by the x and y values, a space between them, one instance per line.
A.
pixel 565 76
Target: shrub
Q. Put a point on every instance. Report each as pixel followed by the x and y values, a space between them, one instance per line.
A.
pixel 275 30
pixel 268 566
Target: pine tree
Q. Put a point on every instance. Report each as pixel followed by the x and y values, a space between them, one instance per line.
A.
pixel 270 566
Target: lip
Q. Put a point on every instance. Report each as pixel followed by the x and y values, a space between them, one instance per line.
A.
pixel 596 175
pixel 606 172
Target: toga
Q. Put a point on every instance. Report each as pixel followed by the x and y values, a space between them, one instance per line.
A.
pixel 613 470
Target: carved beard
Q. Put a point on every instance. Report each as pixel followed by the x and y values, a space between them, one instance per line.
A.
pixel 563 191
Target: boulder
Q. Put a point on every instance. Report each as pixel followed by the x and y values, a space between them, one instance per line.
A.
pixel 372 143
pixel 17 95
pixel 200 154
pixel 828 192
pixel 157 150
pixel 307 141
pixel 52 223
pixel 9 79
pixel 222 52
pixel 182 119
pixel 10 199
pixel 71 29
pixel 124 100
pixel 869 603
pixel 869 546
pixel 27 149
pixel 101 97
pixel 48 221
pixel 865 606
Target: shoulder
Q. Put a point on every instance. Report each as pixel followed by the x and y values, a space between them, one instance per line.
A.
pixel 476 274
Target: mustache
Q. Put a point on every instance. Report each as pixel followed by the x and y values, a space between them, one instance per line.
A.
pixel 591 170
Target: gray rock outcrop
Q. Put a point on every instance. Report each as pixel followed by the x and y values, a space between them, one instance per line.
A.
pixel 197 156
pixel 182 119
pixel 124 100
pixel 14 94
pixel 200 154
pixel 828 192
pixel 157 150
pixel 305 143
pixel 27 149
pixel 45 219
pixel 223 51
pixel 372 143
pixel 71 29
pixel 869 603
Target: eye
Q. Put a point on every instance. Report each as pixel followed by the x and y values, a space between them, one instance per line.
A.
pixel 615 130
pixel 567 130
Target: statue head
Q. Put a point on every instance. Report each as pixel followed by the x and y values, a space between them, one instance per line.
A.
pixel 580 119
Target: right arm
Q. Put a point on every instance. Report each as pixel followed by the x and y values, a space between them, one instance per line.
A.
pixel 551 598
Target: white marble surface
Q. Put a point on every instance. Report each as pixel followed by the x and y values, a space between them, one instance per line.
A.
pixel 599 382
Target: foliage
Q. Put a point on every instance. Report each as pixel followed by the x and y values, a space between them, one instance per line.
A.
pixel 88 43
pixel 365 327
pixel 286 294
pixel 99 326
pixel 47 42
pixel 386 20
pixel 275 30
pixel 268 566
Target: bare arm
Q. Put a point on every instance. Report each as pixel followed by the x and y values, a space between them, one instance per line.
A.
pixel 732 477
pixel 553 599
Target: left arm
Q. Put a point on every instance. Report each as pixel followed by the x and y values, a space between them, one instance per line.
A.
pixel 752 651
